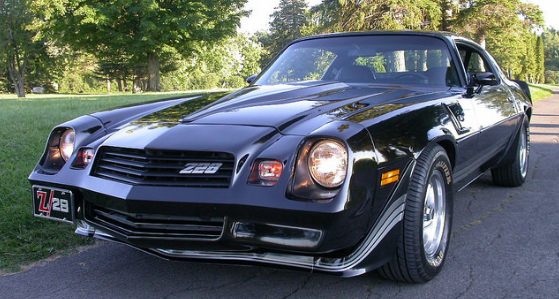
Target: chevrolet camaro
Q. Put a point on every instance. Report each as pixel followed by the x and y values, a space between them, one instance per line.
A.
pixel 342 156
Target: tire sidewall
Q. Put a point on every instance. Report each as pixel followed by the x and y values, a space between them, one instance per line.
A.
pixel 525 129
pixel 440 163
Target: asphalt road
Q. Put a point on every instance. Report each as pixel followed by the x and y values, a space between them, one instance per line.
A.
pixel 505 245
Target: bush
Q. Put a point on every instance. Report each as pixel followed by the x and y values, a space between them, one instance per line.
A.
pixel 552 77
pixel 171 83
pixel 200 80
pixel 74 82
pixel 235 82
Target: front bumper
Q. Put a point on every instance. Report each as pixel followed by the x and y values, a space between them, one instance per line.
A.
pixel 190 225
pixel 376 248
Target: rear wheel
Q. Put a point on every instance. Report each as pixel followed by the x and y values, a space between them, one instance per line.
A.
pixel 423 244
pixel 514 174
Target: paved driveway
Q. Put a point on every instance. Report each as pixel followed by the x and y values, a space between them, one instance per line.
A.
pixel 505 245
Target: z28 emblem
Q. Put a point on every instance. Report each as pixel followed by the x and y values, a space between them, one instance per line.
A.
pixel 201 168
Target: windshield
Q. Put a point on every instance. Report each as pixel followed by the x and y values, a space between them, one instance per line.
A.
pixel 395 60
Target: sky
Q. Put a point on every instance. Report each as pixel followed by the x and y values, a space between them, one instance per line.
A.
pixel 550 8
pixel 262 9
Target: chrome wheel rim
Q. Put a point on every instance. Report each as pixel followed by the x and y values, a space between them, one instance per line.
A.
pixel 523 154
pixel 434 219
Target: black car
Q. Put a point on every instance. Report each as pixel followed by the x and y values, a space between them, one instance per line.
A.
pixel 342 156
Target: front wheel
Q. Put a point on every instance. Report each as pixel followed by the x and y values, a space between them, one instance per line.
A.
pixel 423 244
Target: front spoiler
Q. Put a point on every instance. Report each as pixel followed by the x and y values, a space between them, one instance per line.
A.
pixel 349 265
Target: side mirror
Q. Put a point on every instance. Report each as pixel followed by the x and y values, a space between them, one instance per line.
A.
pixel 251 78
pixel 487 79
pixel 478 81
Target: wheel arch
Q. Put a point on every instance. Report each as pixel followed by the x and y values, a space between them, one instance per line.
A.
pixel 529 113
pixel 510 153
pixel 450 148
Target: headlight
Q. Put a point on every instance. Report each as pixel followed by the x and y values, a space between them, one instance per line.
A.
pixel 327 163
pixel 66 144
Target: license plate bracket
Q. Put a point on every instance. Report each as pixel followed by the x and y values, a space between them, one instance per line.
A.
pixel 53 203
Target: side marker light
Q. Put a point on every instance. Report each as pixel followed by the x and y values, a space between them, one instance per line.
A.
pixel 390 177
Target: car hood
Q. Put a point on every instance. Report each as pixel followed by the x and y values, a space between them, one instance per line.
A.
pixel 253 112
pixel 281 106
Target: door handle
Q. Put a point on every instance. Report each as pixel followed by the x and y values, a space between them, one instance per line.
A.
pixel 463 130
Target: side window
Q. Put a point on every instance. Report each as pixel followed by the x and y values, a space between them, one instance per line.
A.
pixel 473 61
pixel 477 64
pixel 463 54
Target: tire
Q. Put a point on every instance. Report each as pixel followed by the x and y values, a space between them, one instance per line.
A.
pixel 514 174
pixel 423 244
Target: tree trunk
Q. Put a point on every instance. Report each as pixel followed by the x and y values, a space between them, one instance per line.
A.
pixel 400 61
pixel 137 81
pixel 396 62
pixel 135 85
pixel 482 40
pixel 153 72
pixel 17 74
pixel 422 61
pixel 19 85
pixel 108 83
pixel 19 82
pixel 447 14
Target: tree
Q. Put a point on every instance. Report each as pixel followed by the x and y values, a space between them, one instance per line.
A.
pixel 325 17
pixel 448 11
pixel 551 50
pixel 226 64
pixel 18 44
pixel 540 60
pixel 366 15
pixel 529 65
pixel 265 40
pixel 480 19
pixel 143 31
pixel 506 28
pixel 287 22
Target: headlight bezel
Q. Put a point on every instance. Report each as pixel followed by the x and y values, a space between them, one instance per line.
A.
pixel 302 185
pixel 53 160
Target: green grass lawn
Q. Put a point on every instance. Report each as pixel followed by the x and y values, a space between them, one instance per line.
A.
pixel 540 92
pixel 24 128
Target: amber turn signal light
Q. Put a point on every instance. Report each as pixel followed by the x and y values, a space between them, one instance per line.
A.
pixel 390 177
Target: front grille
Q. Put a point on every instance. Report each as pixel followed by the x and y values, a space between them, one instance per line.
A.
pixel 162 167
pixel 162 227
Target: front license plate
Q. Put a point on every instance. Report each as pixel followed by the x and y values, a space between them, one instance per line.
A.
pixel 53 203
